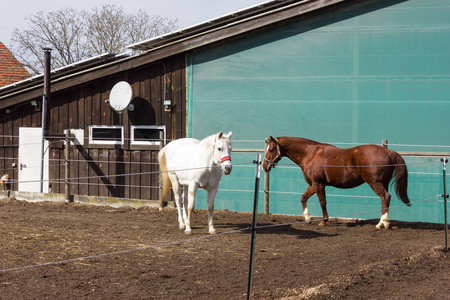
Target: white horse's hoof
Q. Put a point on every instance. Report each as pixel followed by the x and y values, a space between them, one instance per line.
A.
pixel 182 226
pixel 188 232
pixel 160 209
pixel 212 231
pixel 383 224
pixel 308 221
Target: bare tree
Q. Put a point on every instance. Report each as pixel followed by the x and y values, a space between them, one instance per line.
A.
pixel 74 36
pixel 149 26
pixel 63 31
pixel 107 29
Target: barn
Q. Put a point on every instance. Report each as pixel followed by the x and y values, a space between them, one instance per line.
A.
pixel 338 71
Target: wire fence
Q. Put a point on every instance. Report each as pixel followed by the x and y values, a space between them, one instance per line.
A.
pixel 279 165
pixel 107 180
pixel 119 162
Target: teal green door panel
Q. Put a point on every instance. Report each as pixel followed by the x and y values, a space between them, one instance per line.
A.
pixel 376 73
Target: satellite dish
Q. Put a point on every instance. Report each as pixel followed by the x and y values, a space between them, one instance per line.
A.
pixel 120 96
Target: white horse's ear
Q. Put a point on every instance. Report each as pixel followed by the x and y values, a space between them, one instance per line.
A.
pixel 229 134
pixel 219 135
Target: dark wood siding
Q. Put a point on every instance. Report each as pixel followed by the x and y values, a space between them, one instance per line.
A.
pixel 128 171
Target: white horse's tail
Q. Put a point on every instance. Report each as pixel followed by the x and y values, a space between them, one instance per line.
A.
pixel 163 178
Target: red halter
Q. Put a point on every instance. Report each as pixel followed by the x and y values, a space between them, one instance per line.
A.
pixel 225 158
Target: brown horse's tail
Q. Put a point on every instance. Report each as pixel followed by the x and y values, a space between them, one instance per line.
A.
pixel 163 178
pixel 401 176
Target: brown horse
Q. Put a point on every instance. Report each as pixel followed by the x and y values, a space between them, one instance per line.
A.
pixel 326 165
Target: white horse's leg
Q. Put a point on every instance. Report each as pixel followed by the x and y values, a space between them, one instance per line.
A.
pixel 192 191
pixel 176 187
pixel 185 201
pixel 211 196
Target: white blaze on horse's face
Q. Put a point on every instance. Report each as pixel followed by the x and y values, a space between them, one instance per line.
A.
pixel 222 152
pixel 271 155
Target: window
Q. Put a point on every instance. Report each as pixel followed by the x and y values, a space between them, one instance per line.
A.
pixel 102 134
pixel 147 135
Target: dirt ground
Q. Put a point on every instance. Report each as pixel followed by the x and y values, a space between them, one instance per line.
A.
pixel 59 251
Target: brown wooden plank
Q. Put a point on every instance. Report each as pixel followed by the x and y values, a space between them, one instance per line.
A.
pixel 179 101
pixel 168 115
pixel 93 179
pixel 83 170
pixel 145 177
pixel 156 92
pixel 73 110
pixel 154 179
pixel 104 183
pixel 27 119
pixel 88 110
pixel 2 132
pixel 105 109
pixel 112 189
pixel 13 151
pixel 10 142
pixel 73 170
pixel 126 173
pixel 135 169
pixel 81 107
pixel 120 170
pixel 96 105
pixel 59 158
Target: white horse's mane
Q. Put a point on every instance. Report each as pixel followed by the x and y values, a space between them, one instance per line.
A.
pixel 210 140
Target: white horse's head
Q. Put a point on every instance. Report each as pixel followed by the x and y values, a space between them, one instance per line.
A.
pixel 222 152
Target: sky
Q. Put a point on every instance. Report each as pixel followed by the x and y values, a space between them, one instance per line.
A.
pixel 188 12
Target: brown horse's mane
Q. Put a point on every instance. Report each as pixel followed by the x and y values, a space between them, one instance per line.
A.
pixel 303 141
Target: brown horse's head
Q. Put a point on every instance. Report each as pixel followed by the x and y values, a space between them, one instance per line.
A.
pixel 272 154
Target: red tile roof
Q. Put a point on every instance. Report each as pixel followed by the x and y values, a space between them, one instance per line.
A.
pixel 11 70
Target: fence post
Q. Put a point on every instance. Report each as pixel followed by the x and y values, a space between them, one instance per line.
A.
pixel 67 167
pixel 266 186
pixel 445 196
pixel 161 145
pixel 255 212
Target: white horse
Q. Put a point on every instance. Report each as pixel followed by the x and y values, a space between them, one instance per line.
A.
pixel 195 164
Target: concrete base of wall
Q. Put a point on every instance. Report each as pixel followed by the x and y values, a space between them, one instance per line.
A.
pixel 94 200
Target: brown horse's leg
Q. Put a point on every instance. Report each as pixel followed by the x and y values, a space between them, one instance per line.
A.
pixel 320 191
pixel 382 191
pixel 308 193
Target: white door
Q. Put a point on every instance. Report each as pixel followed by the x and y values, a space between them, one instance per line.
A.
pixel 30 156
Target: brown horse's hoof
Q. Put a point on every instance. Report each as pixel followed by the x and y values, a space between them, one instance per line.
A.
pixel 322 223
